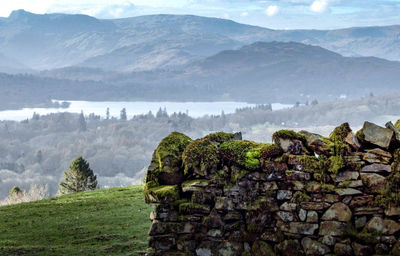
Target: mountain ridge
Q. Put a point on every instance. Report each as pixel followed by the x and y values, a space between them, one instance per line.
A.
pixel 163 41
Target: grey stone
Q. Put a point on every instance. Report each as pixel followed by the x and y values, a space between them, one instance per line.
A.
pixel 376 135
pixel 312 247
pixel 302 228
pixel 288 207
pixel 312 217
pixel 284 195
pixel 338 211
pixel 347 175
pixel 382 226
pixel 348 192
pixel 373 181
pixel 328 240
pixel 302 214
pixel 332 228
pixel 285 216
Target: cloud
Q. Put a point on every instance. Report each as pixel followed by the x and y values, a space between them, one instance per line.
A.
pixel 272 10
pixel 244 14
pixel 320 6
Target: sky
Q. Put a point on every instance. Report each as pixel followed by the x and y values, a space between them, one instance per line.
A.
pixel 277 14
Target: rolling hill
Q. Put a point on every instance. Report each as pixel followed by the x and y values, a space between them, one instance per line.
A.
pixel 260 72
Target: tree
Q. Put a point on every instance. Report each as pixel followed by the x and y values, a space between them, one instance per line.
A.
pixel 78 178
pixel 123 114
pixel 108 113
pixel 82 122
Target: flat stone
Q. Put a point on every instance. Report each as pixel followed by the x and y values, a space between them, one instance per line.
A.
pixel 373 158
pixel 286 216
pixel 377 168
pixel 347 175
pixel 288 207
pixel 338 211
pixel 351 184
pixel 302 228
pixel 348 192
pixel 358 201
pixel 376 135
pixel 367 210
pixel 312 217
pixel 373 181
pixel 284 195
pixel 314 206
pixel 312 247
pixel 194 185
pixel 332 228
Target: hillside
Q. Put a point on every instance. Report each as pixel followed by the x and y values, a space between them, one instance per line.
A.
pixel 104 222
pixel 162 41
pixel 262 72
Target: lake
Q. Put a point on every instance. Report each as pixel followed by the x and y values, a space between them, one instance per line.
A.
pixel 194 109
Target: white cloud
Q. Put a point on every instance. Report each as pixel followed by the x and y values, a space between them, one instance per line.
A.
pixel 226 16
pixel 36 6
pixel 320 6
pixel 244 14
pixel 272 10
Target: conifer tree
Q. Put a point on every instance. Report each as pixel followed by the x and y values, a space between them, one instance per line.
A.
pixel 78 178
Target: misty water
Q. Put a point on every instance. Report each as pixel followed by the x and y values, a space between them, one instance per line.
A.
pixel 193 109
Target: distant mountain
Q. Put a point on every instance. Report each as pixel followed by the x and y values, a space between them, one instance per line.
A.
pixel 260 72
pixel 279 72
pixel 11 66
pixel 163 41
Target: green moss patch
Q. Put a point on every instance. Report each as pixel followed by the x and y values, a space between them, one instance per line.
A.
pixel 165 193
pixel 172 146
pixel 199 156
pixel 288 134
pixel 220 137
pixel 247 154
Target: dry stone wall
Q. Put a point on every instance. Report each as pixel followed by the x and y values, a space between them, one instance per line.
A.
pixel 302 195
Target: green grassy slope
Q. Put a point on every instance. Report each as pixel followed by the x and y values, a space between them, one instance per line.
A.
pixel 103 222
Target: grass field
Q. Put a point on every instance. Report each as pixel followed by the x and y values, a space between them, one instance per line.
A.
pixel 103 222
